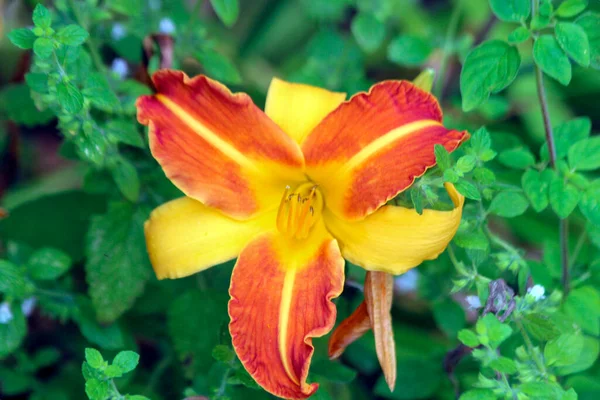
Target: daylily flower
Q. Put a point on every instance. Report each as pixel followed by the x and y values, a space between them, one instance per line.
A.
pixel 291 192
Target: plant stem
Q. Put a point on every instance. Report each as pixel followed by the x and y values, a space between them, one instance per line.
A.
pixel 563 223
pixel 450 33
pixel 530 348
pixel 90 42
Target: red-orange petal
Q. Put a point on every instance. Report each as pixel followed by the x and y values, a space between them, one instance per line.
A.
pixel 351 329
pixel 373 146
pixel 281 295
pixel 218 147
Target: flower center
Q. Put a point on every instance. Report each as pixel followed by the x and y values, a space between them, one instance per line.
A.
pixel 299 210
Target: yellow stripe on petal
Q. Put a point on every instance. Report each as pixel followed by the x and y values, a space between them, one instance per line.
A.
pixel 184 236
pixel 218 147
pixel 373 146
pixel 298 108
pixel 396 239
pixel 281 292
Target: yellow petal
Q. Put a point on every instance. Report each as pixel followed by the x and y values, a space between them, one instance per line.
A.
pixel 396 239
pixel 184 236
pixel 298 108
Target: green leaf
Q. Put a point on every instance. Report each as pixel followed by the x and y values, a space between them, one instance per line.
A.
pixel 117 266
pixel 71 210
pixel 535 186
pixel 41 17
pixel 368 31
pixel 333 371
pixel 97 90
pixel 511 10
pixel 542 390
pixel 494 330
pixel 548 55
pixel 583 306
pixel 69 97
pixel 22 38
pixel 590 22
pixel 409 50
pixel 480 142
pixel 488 68
pixel 573 40
pixel 587 358
pixel 219 67
pixel 186 323
pixel 563 350
pixel 223 354
pixel 132 8
pixel 540 327
pixel 519 35
pixel 97 390
pixel 43 47
pixel 584 155
pixel 37 82
pixel 108 337
pixel 126 178
pixel 566 134
pixel 508 204
pixel 124 131
pixel 563 196
pixel 113 371
pixel 442 157
pixel 517 158
pixel 504 365
pixel 72 35
pixel 416 196
pixel 12 280
pixel 590 205
pixel 419 379
pixel 226 10
pixel 17 104
pixel 466 163
pixel 48 263
pixel 94 358
pixel 449 317
pixel 570 8
pixel 126 360
pixel 478 394
pixel 13 331
pixel 484 176
pixel 468 338
pixel 467 189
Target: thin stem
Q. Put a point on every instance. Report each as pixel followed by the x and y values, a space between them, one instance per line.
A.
pixel 90 42
pixel 563 223
pixel 578 247
pixel 564 254
pixel 450 34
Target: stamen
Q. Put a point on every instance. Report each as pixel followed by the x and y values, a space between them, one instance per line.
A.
pixel 296 214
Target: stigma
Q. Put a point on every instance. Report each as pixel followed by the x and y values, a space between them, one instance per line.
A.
pixel 299 210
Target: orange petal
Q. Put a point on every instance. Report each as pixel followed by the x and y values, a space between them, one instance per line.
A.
pixel 373 146
pixel 396 239
pixel 298 108
pixel 218 147
pixel 379 294
pixel 281 293
pixel 351 329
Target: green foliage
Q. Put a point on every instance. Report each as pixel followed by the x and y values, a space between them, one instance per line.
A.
pixel 99 374
pixel 488 69
pixel 495 314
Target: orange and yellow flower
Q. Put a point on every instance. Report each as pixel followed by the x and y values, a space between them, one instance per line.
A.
pixel 291 192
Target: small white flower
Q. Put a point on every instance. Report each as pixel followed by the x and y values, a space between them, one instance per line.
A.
pixel 5 314
pixel 118 31
pixel 407 282
pixel 474 302
pixel 536 292
pixel 120 67
pixel 28 305
pixel 166 26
